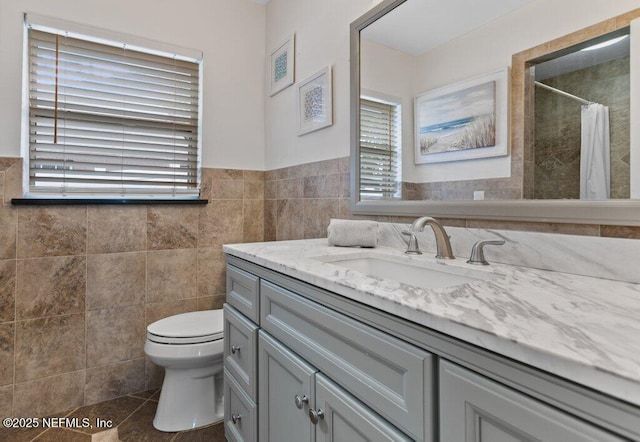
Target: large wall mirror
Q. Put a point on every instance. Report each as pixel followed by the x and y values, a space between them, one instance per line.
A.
pixel 459 110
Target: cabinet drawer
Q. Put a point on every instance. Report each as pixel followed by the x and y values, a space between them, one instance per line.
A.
pixel 239 406
pixel 243 292
pixel 241 350
pixel 473 407
pixel 395 378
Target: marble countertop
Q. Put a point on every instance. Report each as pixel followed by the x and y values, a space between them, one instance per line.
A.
pixel 580 328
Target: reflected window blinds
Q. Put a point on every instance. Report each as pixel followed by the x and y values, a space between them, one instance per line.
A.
pixel 108 121
pixel 379 150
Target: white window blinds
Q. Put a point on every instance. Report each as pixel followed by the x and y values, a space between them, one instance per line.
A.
pixel 108 121
pixel 379 150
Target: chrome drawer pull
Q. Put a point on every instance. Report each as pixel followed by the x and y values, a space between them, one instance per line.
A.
pixel 235 418
pixel 300 401
pixel 235 349
pixel 315 416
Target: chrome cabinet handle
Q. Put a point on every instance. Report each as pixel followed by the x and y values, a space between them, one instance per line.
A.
pixel 300 401
pixel 316 416
pixel 235 349
pixel 235 418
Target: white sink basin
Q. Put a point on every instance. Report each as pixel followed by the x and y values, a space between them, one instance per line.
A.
pixel 423 274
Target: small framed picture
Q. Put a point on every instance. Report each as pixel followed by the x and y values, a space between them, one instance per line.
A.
pixel 315 109
pixel 282 65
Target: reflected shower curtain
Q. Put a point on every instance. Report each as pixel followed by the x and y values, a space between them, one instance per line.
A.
pixel 595 171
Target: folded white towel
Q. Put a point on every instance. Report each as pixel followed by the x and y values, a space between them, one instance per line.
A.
pixel 351 233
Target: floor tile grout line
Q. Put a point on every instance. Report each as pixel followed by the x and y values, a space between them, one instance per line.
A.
pixel 47 429
pixel 144 401
pixel 75 430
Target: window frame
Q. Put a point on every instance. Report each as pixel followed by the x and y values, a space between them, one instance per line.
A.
pixel 396 104
pixel 114 39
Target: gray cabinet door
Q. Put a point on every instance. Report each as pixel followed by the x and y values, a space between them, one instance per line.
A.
pixel 476 409
pixel 241 350
pixel 283 376
pixel 344 418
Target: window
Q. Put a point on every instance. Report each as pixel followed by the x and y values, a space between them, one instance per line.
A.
pixel 380 159
pixel 108 118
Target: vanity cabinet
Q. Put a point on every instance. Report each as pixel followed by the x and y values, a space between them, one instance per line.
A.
pixel 362 373
pixel 394 378
pixel 301 404
pixel 474 408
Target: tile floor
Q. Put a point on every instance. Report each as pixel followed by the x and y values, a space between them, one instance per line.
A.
pixel 132 418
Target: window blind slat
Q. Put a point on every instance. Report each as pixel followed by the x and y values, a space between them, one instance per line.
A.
pixel 112 106
pixel 179 134
pixel 44 79
pixel 168 101
pixel 129 157
pixel 104 119
pixel 115 143
pixel 45 67
pixel 116 182
pixel 67 118
pixel 38 106
pixel 46 72
pixel 111 174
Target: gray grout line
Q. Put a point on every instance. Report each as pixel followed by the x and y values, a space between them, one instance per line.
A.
pixel 65 415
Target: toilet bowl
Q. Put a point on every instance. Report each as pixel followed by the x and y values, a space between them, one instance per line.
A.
pixel 190 348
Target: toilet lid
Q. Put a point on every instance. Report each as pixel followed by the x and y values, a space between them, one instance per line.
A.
pixel 188 328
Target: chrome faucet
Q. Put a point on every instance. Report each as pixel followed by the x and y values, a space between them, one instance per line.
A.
pixel 477 252
pixel 443 245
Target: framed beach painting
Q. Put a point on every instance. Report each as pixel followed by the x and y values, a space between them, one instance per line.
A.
pixel 463 121
pixel 283 65
pixel 315 108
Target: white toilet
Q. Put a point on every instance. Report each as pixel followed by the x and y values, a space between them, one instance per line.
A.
pixel 190 348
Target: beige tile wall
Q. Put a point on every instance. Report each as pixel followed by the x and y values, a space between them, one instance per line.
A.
pixel 300 200
pixel 79 285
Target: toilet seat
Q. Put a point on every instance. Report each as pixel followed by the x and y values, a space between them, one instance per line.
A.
pixel 188 328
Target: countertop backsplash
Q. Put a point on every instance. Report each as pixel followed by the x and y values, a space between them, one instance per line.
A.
pixel 609 258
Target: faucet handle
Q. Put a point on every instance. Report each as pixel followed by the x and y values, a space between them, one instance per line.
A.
pixel 477 253
pixel 413 248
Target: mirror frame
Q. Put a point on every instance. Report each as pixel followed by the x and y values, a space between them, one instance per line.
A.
pixel 611 212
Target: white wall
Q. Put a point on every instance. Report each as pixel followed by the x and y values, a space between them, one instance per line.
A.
pixel 322 38
pixel 489 49
pixel 322 28
pixel 391 73
pixel 230 33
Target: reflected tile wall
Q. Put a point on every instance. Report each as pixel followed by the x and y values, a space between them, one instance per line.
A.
pixel 79 285
pixel 300 200
pixel 558 126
